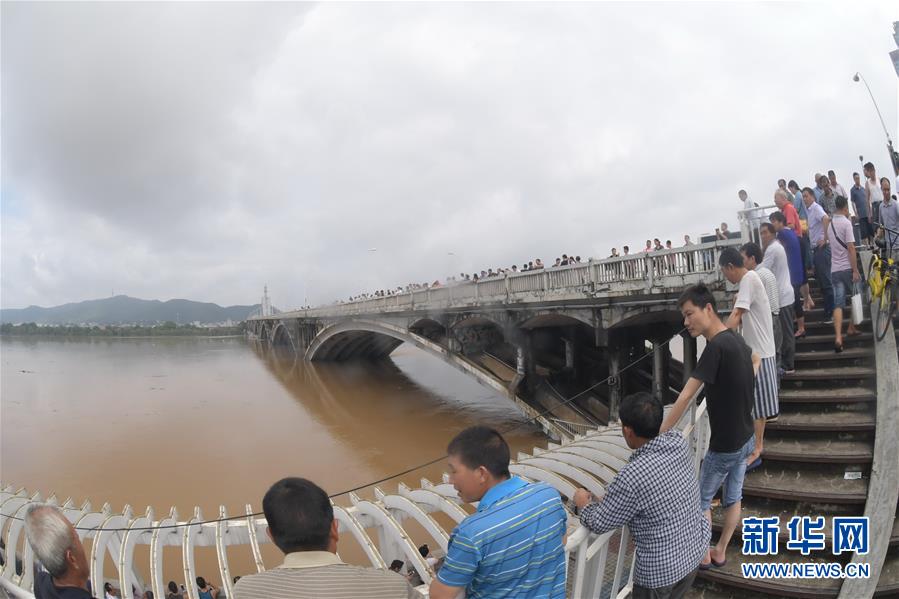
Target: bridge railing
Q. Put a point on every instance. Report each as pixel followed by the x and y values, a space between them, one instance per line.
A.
pixel 590 460
pixel 630 274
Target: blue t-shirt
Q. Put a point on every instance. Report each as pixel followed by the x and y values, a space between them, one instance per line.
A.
pixel 799 205
pixel 512 546
pixel 790 241
pixel 860 200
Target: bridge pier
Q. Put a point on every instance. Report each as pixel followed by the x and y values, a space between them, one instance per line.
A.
pixel 614 383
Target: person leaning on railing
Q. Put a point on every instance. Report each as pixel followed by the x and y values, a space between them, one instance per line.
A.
pixel 657 496
pixel 513 544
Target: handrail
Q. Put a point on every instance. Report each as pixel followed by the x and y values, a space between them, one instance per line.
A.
pixel 883 487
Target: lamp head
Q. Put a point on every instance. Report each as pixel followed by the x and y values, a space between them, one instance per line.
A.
pixel 855 78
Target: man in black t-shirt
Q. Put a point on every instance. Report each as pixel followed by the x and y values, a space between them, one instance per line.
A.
pixel 727 369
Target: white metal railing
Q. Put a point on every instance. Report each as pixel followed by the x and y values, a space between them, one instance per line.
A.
pixel 662 269
pixel 590 459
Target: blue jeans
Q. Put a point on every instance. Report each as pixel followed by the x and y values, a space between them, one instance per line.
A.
pixel 728 468
pixel 822 274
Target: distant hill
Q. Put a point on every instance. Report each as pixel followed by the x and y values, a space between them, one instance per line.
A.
pixel 121 309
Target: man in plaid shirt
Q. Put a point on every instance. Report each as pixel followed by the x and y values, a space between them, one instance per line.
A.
pixel 657 496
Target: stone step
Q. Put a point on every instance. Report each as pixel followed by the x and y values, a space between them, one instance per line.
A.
pixel 757 507
pixel 847 353
pixel 732 576
pixel 819 327
pixel 825 342
pixel 817 450
pixel 789 481
pixel 826 419
pixel 847 394
pixel 834 373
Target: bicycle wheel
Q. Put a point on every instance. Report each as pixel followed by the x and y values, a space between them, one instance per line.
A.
pixel 886 309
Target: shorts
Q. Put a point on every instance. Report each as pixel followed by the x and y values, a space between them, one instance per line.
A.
pixel 766 402
pixel 865 229
pixel 728 468
pixel 842 287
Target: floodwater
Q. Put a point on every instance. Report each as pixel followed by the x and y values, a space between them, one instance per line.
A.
pixel 209 422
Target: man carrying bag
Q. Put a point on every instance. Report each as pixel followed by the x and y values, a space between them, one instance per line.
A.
pixel 844 270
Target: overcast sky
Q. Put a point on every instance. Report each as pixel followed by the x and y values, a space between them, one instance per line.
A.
pixel 203 150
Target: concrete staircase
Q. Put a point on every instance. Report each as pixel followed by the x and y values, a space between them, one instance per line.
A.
pixel 816 461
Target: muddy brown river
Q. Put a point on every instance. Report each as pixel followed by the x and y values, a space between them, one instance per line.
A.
pixel 209 422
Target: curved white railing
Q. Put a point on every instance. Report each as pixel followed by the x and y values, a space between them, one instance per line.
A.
pixel 590 460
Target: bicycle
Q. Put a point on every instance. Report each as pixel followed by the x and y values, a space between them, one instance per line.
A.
pixel 883 281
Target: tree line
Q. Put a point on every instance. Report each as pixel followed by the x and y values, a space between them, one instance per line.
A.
pixel 165 329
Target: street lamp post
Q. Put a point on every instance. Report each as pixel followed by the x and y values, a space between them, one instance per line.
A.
pixel 894 160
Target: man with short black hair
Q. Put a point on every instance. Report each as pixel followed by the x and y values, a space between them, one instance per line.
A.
pixel 818 222
pixel 512 545
pixel 873 191
pixel 57 547
pixel 752 260
pixel 860 203
pixel 836 187
pixel 843 268
pixel 657 496
pixel 752 317
pixel 726 368
pixel 301 524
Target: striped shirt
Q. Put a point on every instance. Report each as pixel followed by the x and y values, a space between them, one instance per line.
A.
pixel 321 575
pixel 657 496
pixel 512 546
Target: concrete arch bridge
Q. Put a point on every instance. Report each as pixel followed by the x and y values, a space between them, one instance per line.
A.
pixel 536 337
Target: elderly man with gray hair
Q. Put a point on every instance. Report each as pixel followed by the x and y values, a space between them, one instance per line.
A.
pixel 58 548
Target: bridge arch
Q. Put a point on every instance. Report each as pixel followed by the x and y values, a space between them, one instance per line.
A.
pixel 363 338
pixel 554 319
pixel 280 337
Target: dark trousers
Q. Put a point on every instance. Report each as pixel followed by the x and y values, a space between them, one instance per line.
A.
pixel 822 275
pixel 672 591
pixel 788 340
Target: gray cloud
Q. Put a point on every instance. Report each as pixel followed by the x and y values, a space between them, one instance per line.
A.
pixel 201 150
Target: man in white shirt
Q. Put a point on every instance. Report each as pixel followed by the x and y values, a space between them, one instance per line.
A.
pixel 873 191
pixel 751 213
pixel 777 262
pixel 836 187
pixel 818 222
pixel 752 314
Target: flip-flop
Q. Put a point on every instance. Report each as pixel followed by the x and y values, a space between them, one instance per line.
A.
pixel 705 567
pixel 855 334
pixel 838 348
pixel 799 335
pixel 719 564
pixel 752 466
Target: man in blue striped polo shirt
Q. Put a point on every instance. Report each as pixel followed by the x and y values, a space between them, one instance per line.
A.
pixel 512 545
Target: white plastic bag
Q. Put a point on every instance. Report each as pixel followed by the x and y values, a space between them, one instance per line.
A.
pixel 858 314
